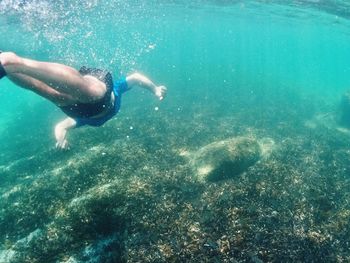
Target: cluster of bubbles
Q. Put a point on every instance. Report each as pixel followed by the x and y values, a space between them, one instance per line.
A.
pixel 108 34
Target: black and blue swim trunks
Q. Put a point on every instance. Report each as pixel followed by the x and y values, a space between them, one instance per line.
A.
pixel 118 89
pixel 83 113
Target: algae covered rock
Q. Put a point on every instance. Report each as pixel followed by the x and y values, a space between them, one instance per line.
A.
pixel 225 159
pixel 345 110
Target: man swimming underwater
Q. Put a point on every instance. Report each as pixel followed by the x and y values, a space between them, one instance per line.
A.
pixel 88 96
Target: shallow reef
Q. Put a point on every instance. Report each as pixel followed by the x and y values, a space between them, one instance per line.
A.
pixel 129 195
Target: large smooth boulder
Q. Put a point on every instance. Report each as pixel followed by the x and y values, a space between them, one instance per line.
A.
pixel 225 159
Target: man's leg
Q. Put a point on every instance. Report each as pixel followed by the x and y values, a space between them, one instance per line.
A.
pixel 58 98
pixel 59 77
pixel 2 70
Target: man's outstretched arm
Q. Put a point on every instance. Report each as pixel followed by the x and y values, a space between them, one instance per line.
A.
pixel 61 130
pixel 137 79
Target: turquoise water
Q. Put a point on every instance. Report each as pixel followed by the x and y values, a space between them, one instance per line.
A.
pixel 264 69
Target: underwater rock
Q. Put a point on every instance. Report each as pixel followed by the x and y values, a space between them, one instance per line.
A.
pixel 13 254
pixel 345 110
pixel 7 255
pixel 225 159
pixel 107 249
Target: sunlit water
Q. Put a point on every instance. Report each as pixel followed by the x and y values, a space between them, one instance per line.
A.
pixel 199 47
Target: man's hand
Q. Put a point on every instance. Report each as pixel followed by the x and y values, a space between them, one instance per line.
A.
pixel 61 133
pixel 160 92
pixel 62 145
